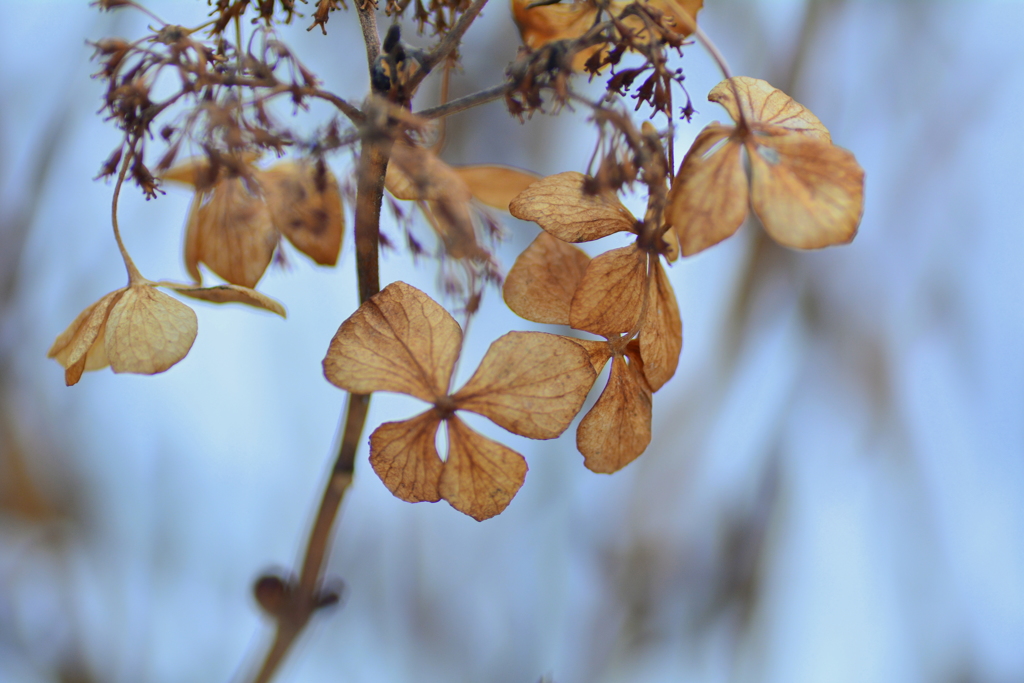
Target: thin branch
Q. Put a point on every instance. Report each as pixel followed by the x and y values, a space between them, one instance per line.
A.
pixel 133 272
pixel 367 11
pixel 347 108
pixel 464 103
pixel 448 43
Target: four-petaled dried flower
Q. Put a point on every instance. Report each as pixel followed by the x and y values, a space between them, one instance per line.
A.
pixel 807 192
pixel 529 383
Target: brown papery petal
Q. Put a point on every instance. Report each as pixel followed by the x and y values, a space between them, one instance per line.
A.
pixel 598 350
pixel 453 223
pixel 305 205
pixel 400 340
pixel 530 383
pixel 415 173
pixel 232 234
pixel 808 194
pixel 545 276
pixel 480 476
pixel 495 186
pixel 764 104
pixel 609 299
pixel 618 428
pixel 661 337
pixel 559 204
pixel 682 13
pixel 404 456
pixel 147 331
pixel 708 199
pixel 541 25
pixel 223 294
pixel 80 346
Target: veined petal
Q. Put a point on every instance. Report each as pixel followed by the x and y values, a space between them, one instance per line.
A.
pixel 80 347
pixel 404 456
pixel 305 206
pixel 531 383
pixel 480 476
pixel 768 106
pixel 560 205
pixel 610 298
pixel 540 285
pixel 618 428
pixel 147 331
pixel 400 340
pixel 227 293
pixel 495 186
pixel 661 337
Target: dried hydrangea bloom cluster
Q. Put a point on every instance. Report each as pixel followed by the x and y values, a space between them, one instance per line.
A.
pixel 776 158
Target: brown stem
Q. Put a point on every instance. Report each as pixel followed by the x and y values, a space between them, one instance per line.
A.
pixel 448 43
pixel 367 11
pixel 464 103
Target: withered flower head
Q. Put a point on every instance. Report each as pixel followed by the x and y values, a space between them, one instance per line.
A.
pixel 530 383
pixel 807 192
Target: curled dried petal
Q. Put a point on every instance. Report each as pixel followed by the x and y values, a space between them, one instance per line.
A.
pixel 708 199
pixel 404 456
pixel 400 340
pixel 147 331
pixel 766 105
pixel 540 285
pixel 561 206
pixel 530 383
pixel 80 347
pixel 808 194
pixel 222 294
pixel 618 428
pixel 661 336
pixel 481 476
pixel 610 298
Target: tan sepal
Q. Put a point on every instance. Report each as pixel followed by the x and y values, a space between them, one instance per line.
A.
pixel 599 351
pixel 609 299
pixel 530 383
pixel 808 194
pixel 681 12
pixel 147 331
pixel 400 340
pixel 481 476
pixel 764 104
pixel 306 208
pixel 541 25
pixel 559 205
pixel 495 186
pixel 80 347
pixel 223 294
pixel 404 456
pixel 661 336
pixel 194 171
pixel 232 233
pixel 618 428
pixel 540 285
pixel 708 200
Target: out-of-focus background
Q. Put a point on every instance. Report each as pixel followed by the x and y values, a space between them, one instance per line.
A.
pixel 835 491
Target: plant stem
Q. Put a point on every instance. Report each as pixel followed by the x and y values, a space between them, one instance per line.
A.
pixel 448 43
pixel 464 103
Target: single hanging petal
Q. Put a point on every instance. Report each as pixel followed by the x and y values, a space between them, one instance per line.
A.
pixel 560 205
pixel 531 383
pixel 147 331
pixel 223 294
pixel 618 428
pixel 480 476
pixel 232 233
pixel 768 106
pixel 404 456
pixel 400 340
pixel 708 200
pixel 495 186
pixel 305 206
pixel 80 347
pixel 661 337
pixel 540 285
pixel 610 298
pixel 808 194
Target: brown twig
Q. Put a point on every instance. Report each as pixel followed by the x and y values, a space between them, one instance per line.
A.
pixel 448 43
pixel 464 103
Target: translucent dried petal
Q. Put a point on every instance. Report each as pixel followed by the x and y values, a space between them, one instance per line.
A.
pixel 661 337
pixel 305 206
pixel 415 173
pixel 530 383
pixel 147 331
pixel 80 347
pixel 708 199
pixel 598 350
pixel 808 194
pixel 453 223
pixel 540 285
pixel 764 104
pixel 495 186
pixel 618 428
pixel 400 340
pixel 222 294
pixel 610 298
pixel 230 230
pixel 559 204
pixel 541 25
pixel 404 456
pixel 481 476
